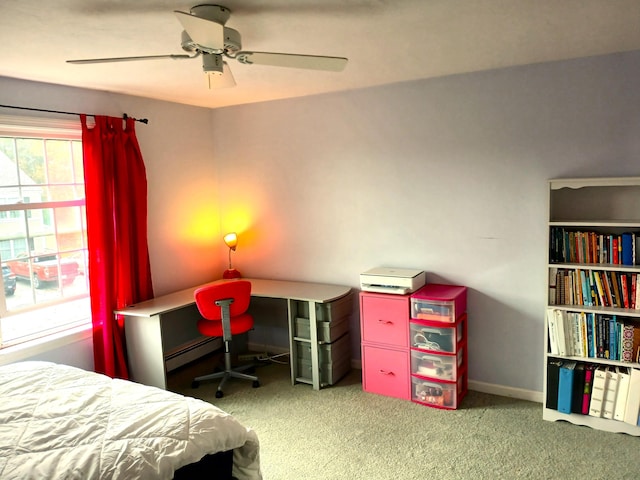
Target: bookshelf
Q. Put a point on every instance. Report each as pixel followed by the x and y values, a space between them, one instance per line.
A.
pixel 588 218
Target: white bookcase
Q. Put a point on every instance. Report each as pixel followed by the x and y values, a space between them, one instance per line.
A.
pixel 607 206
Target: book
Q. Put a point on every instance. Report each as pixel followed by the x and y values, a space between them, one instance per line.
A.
pixel 615 294
pixel 553 378
pixel 627 343
pixel 625 289
pixel 552 331
pixel 575 348
pixel 553 276
pixel 562 331
pixel 607 288
pixel 600 379
pixel 610 393
pixel 623 390
pixel 600 288
pixel 628 248
pixel 588 384
pixel 565 386
pixel 584 339
pixel 632 407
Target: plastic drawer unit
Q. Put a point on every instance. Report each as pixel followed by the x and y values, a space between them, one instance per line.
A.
pixel 442 367
pixel 439 303
pixel 438 394
pixel 435 337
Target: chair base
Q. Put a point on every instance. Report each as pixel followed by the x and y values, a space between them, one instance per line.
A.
pixel 225 376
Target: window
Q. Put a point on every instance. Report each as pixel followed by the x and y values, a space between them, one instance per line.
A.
pixel 43 246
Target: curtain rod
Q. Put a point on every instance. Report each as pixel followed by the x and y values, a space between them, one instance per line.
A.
pixel 124 116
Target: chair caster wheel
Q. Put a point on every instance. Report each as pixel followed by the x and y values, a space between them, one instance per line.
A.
pixel 255 384
pixel 195 384
pixel 219 394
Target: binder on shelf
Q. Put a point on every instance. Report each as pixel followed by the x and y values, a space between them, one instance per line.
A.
pixel 623 390
pixel 600 378
pixel 565 386
pixel 578 388
pixel 588 384
pixel 610 393
pixel 553 377
pixel 632 408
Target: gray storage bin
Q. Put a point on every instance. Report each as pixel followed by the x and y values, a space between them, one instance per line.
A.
pixel 328 331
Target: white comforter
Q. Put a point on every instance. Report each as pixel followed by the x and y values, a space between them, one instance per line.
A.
pixel 61 422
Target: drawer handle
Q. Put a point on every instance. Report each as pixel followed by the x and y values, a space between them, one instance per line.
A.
pixel 385 322
pixel 385 372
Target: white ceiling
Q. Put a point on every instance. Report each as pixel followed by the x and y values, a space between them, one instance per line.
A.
pixel 386 41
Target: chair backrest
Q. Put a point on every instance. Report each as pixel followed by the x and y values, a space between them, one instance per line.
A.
pixel 206 297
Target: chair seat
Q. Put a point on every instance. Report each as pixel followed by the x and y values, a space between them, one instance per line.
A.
pixel 239 324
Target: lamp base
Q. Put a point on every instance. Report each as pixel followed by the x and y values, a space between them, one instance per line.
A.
pixel 231 273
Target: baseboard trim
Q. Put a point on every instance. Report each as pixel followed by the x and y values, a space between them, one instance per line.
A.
pixel 490 388
pixel 493 389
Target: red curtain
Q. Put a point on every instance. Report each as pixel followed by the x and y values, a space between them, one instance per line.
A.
pixel 116 199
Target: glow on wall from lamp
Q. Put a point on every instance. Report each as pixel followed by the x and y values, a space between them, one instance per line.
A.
pixel 199 228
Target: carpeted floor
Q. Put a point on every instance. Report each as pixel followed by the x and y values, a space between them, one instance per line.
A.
pixel 341 432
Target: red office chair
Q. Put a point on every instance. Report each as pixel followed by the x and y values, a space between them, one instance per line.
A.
pixel 223 307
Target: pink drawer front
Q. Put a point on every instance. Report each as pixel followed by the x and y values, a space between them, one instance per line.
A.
pixel 385 319
pixel 386 372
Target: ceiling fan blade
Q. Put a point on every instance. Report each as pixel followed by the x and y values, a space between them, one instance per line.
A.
pixel 130 59
pixel 221 81
pixel 206 33
pixel 313 62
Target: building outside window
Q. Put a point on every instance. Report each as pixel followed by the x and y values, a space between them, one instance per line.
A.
pixel 43 246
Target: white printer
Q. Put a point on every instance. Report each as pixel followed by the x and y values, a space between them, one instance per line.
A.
pixel 399 281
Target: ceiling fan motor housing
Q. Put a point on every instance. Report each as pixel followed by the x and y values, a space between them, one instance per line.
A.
pixel 232 43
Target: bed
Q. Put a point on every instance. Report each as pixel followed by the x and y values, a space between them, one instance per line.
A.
pixel 58 421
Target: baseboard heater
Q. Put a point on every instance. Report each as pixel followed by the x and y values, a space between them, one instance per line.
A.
pixel 188 352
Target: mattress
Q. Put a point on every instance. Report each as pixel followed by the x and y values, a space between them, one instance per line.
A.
pixel 58 421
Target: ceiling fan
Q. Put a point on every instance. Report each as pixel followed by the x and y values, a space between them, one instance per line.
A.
pixel 205 35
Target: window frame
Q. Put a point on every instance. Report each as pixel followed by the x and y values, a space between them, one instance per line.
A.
pixel 43 128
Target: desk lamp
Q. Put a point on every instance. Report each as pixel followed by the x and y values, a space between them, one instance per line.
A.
pixel 231 240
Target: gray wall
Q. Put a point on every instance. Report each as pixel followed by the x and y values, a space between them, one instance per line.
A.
pixel 447 175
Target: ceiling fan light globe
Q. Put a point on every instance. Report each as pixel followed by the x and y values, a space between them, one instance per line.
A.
pixel 212 64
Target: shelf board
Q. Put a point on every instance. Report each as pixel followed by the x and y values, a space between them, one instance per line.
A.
pixel 616 267
pixel 558 183
pixel 623 223
pixel 605 424
pixel 625 312
pixel 600 361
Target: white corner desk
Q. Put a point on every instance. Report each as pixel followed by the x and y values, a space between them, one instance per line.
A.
pixel 162 335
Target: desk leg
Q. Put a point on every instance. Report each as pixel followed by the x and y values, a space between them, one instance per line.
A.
pixel 315 354
pixel 293 346
pixel 144 350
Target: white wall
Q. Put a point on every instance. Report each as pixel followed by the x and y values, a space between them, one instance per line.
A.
pixel 447 175
pixel 184 226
